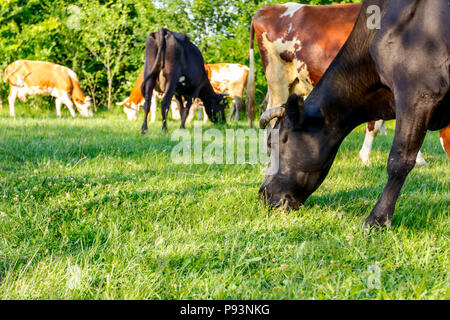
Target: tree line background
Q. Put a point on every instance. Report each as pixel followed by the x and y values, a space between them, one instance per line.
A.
pixel 104 41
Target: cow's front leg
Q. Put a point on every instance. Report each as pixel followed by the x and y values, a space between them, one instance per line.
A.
pixel 58 103
pixel 410 131
pixel 233 110
pixel 12 101
pixel 68 102
pixel 185 112
pixel 239 104
pixel 194 107
pixel 205 115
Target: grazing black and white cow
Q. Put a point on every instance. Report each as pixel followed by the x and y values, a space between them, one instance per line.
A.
pixel 175 67
pixel 399 71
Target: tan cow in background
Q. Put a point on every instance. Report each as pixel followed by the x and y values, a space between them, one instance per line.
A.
pixel 227 78
pixel 27 78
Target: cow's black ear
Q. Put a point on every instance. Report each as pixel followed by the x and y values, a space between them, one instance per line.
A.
pixel 295 111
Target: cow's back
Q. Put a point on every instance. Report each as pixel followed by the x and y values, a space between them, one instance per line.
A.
pixel 41 75
pixel 227 77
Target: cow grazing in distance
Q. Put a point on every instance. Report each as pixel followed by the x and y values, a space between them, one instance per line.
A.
pixel 400 71
pixel 27 78
pixel 297 43
pixel 135 101
pixel 231 79
pixel 175 66
pixel 225 78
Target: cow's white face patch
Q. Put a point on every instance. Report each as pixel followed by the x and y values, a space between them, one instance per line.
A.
pixel 291 9
pixel 132 112
pixel 85 109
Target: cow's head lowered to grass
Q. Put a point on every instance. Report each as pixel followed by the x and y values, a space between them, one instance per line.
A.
pixel 84 106
pixel 216 109
pixel 303 156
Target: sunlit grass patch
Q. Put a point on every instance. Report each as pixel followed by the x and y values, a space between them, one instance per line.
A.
pixel 91 209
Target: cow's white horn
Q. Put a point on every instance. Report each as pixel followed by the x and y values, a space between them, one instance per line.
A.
pixel 270 114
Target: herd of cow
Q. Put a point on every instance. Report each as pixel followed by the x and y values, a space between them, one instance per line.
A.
pixel 351 74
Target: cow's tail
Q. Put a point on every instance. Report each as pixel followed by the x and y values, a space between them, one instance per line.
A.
pixel 157 65
pixel 251 89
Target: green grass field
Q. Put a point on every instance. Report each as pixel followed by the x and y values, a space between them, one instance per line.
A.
pixel 90 209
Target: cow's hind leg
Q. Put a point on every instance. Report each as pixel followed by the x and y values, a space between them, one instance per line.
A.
pixel 238 106
pixel 153 110
pixel 410 131
pixel 167 100
pixel 420 161
pixel 185 112
pixel 12 101
pixel 147 92
pixel 372 130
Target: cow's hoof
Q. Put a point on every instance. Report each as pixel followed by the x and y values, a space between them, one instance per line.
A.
pixel 420 162
pixel 374 223
pixel 144 131
pixel 365 161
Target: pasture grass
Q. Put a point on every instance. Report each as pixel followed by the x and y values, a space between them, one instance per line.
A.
pixel 90 209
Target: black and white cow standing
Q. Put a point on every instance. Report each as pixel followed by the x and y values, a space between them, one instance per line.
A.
pixel 174 66
pixel 400 71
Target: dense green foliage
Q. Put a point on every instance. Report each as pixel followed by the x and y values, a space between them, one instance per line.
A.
pixel 103 41
pixel 89 209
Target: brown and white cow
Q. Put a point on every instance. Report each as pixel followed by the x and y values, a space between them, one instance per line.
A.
pixel 225 78
pixel 135 101
pixel 45 78
pixel 297 43
pixel 229 78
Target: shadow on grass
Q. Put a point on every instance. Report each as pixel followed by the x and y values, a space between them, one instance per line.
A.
pixel 413 207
